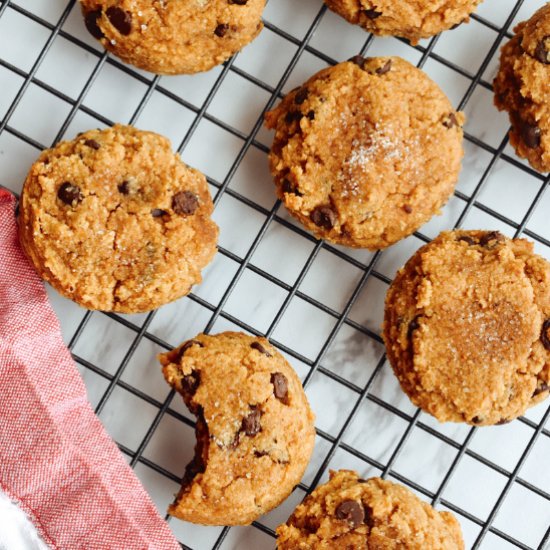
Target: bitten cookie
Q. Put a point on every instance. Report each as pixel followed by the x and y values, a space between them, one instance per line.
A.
pixel 522 87
pixel 255 430
pixel 467 327
pixel 173 36
pixel 349 512
pixel 114 220
pixel 411 19
pixel 365 152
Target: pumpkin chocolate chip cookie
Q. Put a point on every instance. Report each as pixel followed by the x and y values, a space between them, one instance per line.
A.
pixel 366 152
pixel 255 431
pixel 411 19
pixel 467 327
pixel 171 36
pixel 115 221
pixel 522 88
pixel 350 512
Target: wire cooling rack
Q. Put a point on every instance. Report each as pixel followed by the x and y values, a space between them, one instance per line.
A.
pixel 321 305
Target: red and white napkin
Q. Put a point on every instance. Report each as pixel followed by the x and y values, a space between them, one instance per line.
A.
pixel 56 460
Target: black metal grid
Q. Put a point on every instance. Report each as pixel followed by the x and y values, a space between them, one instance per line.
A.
pixel 368 270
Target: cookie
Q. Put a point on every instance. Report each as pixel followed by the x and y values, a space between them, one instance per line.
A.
pixel 365 152
pixel 171 36
pixel 349 512
pixel 255 430
pixel 115 221
pixel 410 19
pixel 522 88
pixel 467 327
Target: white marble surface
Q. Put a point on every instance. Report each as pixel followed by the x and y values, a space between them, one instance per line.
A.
pixel 383 416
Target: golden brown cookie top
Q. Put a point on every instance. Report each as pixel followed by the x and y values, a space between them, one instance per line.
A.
pixel 366 151
pixel 255 430
pixel 411 19
pixel 173 36
pixel 466 327
pixel 522 87
pixel 114 220
pixel 534 35
pixel 349 512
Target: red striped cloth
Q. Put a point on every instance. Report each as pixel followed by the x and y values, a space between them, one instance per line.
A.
pixel 56 460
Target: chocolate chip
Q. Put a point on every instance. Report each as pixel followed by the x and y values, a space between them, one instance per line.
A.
pixel 451 121
pixel 120 19
pixel 530 134
pixel 491 239
pixel 301 96
pixel 413 325
pixel 324 216
pixel 238 2
pixel 293 116
pixel 69 194
pixel 195 467
pixel 408 208
pixel 187 345
pixel 124 187
pixel 251 423
pixel 260 348
pixel 311 115
pixel 289 188
pixel 503 421
pixel 158 213
pixel 477 419
pixel 351 511
pixel 280 386
pixel 358 60
pixel 469 240
pixel 311 524
pixel 545 334
pixel 542 51
pixel 185 203
pixel 385 69
pixel 91 21
pixel 191 382
pixel 372 14
pixel 541 389
pixel 221 30
pixel 93 144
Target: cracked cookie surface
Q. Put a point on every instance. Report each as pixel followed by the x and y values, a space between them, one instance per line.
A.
pixel 115 221
pixel 349 512
pixel 522 88
pixel 173 36
pixel 411 19
pixel 366 152
pixel 255 430
pixel 467 327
